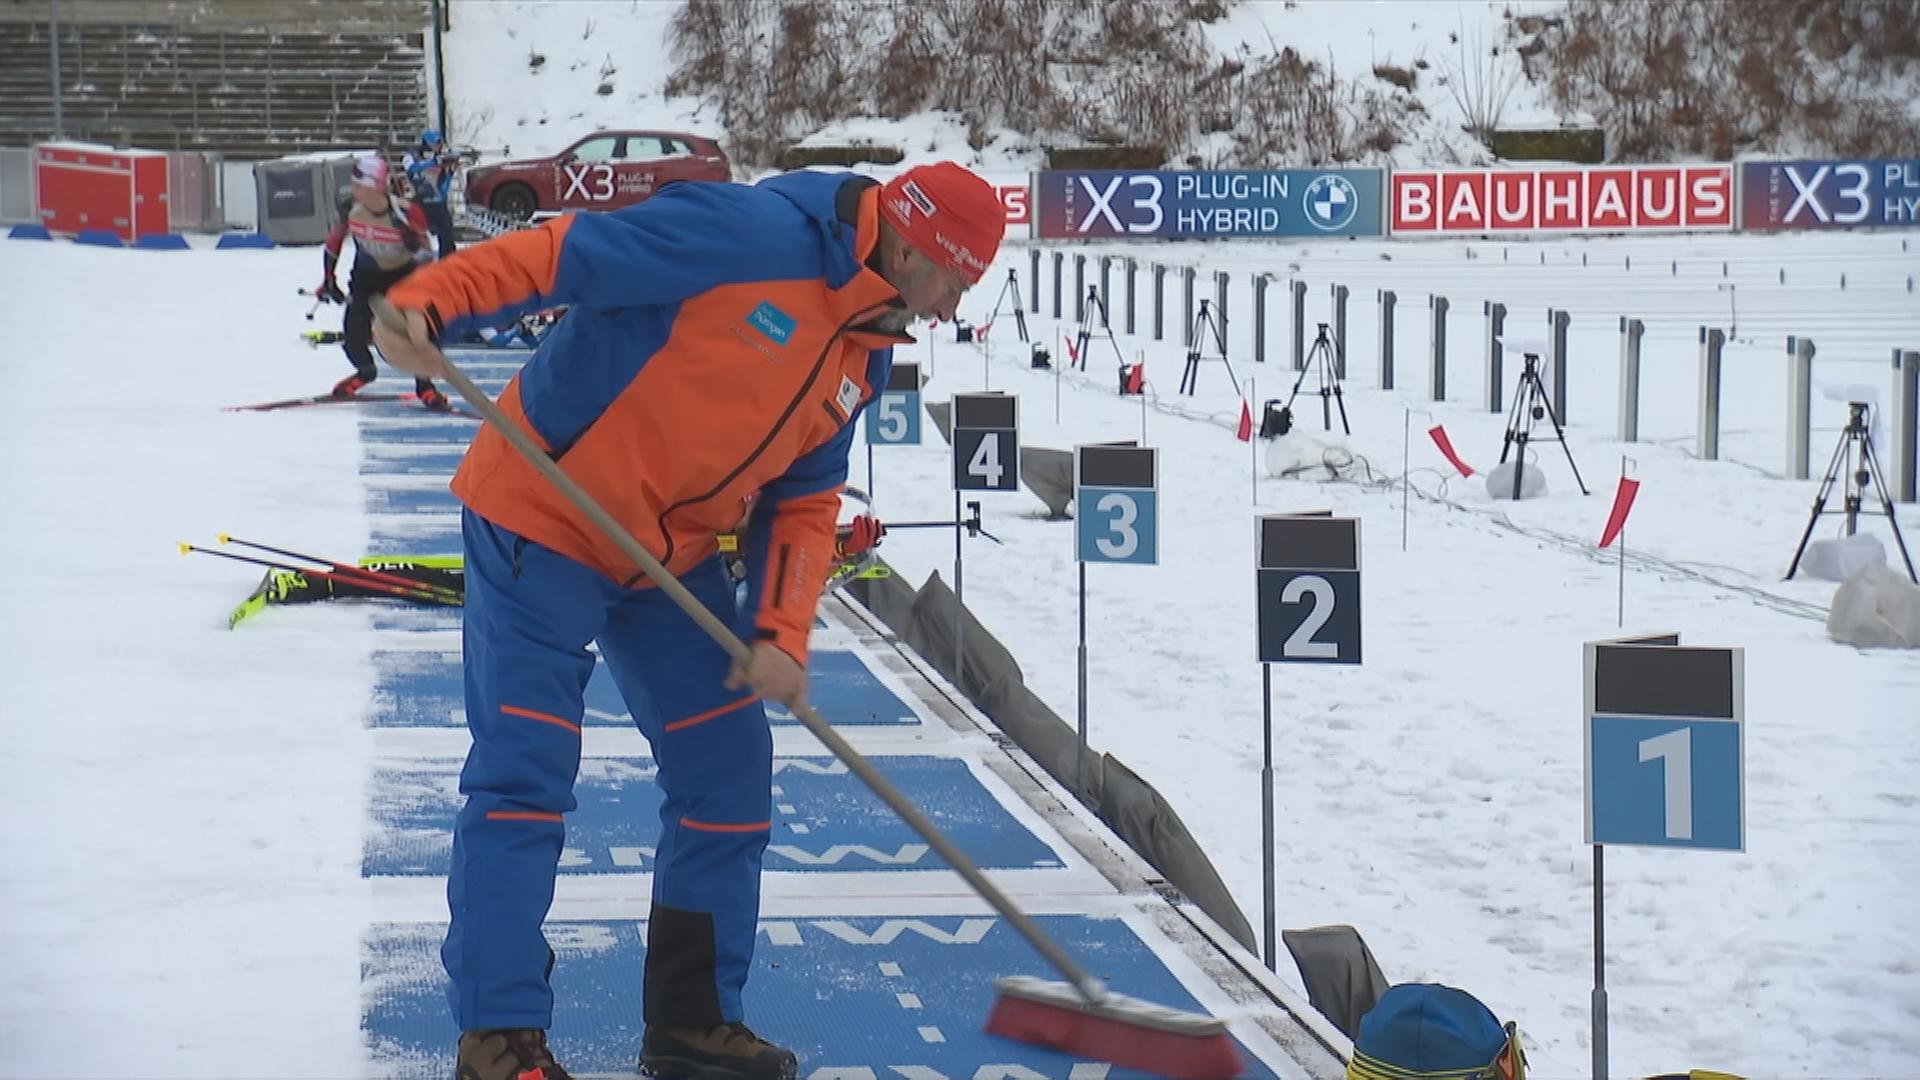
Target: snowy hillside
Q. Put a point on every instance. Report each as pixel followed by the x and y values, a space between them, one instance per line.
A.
pixel 527 74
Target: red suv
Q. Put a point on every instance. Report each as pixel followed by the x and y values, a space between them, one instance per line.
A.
pixel 604 171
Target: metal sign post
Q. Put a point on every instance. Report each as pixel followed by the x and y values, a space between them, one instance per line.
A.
pixel 1665 764
pixel 1116 519
pixel 986 457
pixel 894 417
pixel 1307 581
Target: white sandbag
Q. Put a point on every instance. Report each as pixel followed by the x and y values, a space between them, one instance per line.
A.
pixel 1841 557
pixel 1876 608
pixel 1533 481
pixel 1299 456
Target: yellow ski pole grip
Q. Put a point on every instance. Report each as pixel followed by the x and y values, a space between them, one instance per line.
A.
pixel 1089 988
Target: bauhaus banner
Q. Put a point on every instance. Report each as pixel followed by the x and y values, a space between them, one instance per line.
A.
pixel 1635 198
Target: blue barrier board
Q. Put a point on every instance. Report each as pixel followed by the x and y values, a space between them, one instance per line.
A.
pixel 385 459
pixel 428 430
pixel 425 689
pixel 861 998
pixel 824 819
pixel 410 499
pixel 435 535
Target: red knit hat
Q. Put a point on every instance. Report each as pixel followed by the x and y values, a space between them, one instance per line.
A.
pixel 951 215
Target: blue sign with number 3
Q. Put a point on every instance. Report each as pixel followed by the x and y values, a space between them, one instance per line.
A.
pixel 1116 525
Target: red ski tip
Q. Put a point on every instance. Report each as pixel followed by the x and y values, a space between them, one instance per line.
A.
pixel 1117 1029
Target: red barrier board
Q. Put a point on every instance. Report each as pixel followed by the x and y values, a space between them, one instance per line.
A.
pixel 1625 198
pixel 78 186
pixel 1013 198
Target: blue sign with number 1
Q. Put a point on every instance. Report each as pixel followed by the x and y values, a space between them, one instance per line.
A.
pixel 1665 761
pixel 1662 782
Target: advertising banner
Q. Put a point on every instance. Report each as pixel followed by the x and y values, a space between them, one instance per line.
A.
pixel 1829 194
pixel 1624 198
pixel 1175 204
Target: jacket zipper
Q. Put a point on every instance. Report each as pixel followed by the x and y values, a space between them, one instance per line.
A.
pixel 806 388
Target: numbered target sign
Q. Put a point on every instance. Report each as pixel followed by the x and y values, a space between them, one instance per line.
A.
pixel 1666 746
pixel 894 417
pixel 986 442
pixel 1308 577
pixel 1116 505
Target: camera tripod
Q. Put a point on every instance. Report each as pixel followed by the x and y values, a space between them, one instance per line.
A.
pixel 1320 358
pixel 1854 437
pixel 1082 340
pixel 1204 320
pixel 1011 289
pixel 1530 404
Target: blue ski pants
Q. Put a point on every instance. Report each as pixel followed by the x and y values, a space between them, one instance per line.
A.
pixel 530 615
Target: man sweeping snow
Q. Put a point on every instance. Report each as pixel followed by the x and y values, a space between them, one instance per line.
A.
pixel 721 342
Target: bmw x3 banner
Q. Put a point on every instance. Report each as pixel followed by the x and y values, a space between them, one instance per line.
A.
pixel 1829 194
pixel 1170 204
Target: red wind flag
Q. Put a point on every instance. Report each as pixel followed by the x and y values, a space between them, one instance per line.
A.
pixel 1137 378
pixel 1622 506
pixel 1073 354
pixel 1445 444
pixel 1245 434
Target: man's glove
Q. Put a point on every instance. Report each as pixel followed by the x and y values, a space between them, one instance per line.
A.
pixel 859 536
pixel 330 292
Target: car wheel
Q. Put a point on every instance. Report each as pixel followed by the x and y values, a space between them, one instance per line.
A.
pixel 515 201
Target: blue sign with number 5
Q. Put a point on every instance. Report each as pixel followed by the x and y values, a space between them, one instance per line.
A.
pixel 894 418
pixel 1116 525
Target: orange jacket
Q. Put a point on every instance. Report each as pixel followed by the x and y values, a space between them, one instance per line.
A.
pixel 716 350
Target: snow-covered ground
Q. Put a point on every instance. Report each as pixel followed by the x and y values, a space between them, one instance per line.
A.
pixel 185 805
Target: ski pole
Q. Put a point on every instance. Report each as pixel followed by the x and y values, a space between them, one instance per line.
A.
pixel 324 575
pixel 395 580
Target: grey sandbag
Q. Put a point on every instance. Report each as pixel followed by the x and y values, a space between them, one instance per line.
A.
pixel 1049 475
pixel 989 666
pixel 888 596
pixel 1876 608
pixel 1149 825
pixel 1839 558
pixel 941 412
pixel 1533 481
pixel 1344 981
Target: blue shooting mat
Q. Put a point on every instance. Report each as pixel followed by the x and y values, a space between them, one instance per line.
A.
pixel 424 688
pixel 825 820
pixel 412 498
pixel 858 997
pixel 411 461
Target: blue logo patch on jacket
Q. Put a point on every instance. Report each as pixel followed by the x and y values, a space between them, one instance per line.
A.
pixel 772 322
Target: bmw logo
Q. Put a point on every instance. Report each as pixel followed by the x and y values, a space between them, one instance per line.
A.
pixel 1331 202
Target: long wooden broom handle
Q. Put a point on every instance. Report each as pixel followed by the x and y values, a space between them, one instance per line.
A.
pixel 1088 987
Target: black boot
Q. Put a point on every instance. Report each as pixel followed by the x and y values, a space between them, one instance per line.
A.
pixel 721 1052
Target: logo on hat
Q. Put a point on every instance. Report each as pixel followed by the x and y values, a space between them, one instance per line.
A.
pixel 913 192
pixel 1331 202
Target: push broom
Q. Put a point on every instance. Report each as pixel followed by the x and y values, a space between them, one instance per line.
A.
pixel 1081 1016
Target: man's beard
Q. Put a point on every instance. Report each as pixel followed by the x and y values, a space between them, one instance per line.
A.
pixel 894 320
